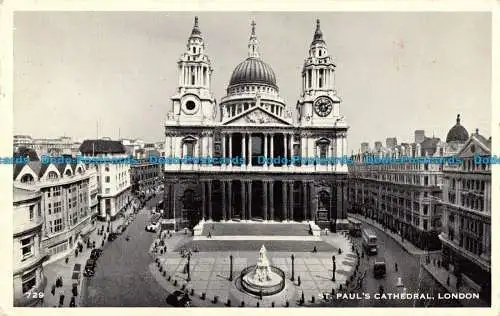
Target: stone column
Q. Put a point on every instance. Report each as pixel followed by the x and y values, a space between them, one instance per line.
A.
pixel 271 199
pixel 338 203
pixel 203 200
pixel 272 149
pixel 231 149
pixel 265 148
pixel 291 197
pixel 285 143
pixel 284 199
pixel 224 153
pixel 224 199
pixel 244 148
pixel 250 149
pixel 290 149
pixel 305 200
pixel 243 200
pixel 313 204
pixel 210 199
pixel 249 199
pixel 230 199
pixel 265 183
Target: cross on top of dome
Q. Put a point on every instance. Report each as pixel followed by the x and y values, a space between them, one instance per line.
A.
pixel 253 49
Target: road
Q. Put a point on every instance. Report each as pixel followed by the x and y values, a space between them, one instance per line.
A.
pixel 414 279
pixel 122 275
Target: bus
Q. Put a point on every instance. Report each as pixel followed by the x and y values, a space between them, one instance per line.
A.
pixel 354 227
pixel 370 241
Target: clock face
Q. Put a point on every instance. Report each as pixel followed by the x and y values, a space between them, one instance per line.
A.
pixel 323 106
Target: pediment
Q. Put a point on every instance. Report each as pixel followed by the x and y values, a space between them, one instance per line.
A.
pixel 473 147
pixel 257 117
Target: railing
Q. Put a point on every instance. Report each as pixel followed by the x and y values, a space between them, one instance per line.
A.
pixel 263 290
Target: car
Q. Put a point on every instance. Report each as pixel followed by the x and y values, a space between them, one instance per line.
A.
pixel 88 272
pixel 179 299
pixel 153 227
pixel 90 263
pixel 379 269
pixel 112 236
pixel 95 253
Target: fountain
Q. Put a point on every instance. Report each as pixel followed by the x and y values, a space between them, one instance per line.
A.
pixel 263 279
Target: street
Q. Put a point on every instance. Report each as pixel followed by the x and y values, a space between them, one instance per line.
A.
pixel 414 279
pixel 122 275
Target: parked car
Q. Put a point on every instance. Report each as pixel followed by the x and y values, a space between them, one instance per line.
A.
pixel 88 272
pixel 153 227
pixel 112 236
pixel 379 269
pixel 95 253
pixel 179 299
pixel 90 263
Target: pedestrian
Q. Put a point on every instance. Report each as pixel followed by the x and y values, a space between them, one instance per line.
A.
pixel 396 266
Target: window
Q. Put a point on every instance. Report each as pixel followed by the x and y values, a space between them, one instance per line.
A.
pixel 68 173
pixel 426 209
pixel 29 281
pixel 32 212
pixel 27 247
pixel 425 224
pixel 321 76
pixel 52 175
pixel 27 178
pixel 58 225
pixel 57 207
pixel 189 149
pixel 57 191
pixel 107 190
pixel 107 179
pixel 106 168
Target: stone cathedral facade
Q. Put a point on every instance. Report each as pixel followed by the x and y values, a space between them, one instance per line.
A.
pixel 251 156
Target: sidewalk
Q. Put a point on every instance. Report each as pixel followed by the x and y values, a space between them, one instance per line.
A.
pixel 65 270
pixel 409 247
pixel 441 275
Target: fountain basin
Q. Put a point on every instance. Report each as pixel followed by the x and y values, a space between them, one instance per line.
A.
pixel 274 284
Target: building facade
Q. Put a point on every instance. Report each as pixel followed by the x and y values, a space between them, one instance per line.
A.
pixel 146 173
pixel 466 204
pixel 404 197
pixel 252 136
pixel 47 146
pixel 28 255
pixel 113 178
pixel 65 202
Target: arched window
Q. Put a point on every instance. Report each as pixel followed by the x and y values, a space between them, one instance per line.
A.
pixel 80 170
pixel 27 178
pixel 68 173
pixel 106 167
pixel 52 175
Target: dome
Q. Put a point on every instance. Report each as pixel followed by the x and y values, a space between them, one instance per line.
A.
pixel 253 70
pixel 457 133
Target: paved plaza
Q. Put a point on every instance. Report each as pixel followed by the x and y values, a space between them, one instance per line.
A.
pixel 210 270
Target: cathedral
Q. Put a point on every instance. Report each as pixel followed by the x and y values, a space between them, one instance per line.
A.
pixel 251 157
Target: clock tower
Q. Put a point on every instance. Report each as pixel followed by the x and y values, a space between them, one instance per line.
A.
pixel 193 102
pixel 318 104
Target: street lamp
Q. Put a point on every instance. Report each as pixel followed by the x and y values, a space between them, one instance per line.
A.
pixel 188 268
pixel 333 268
pixel 230 267
pixel 293 268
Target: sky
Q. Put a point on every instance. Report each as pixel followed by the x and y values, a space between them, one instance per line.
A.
pixel 84 74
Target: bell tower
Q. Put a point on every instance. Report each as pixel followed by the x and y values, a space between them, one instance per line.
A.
pixel 193 103
pixel 318 104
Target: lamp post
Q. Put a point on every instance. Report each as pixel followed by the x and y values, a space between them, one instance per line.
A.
pixel 293 267
pixel 333 268
pixel 188 268
pixel 230 267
